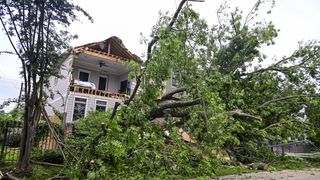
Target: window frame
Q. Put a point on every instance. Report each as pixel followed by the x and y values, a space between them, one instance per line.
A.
pixel 107 81
pixel 95 104
pixel 73 104
pixel 85 71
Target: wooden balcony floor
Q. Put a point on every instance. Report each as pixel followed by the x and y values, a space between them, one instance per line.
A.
pixel 95 92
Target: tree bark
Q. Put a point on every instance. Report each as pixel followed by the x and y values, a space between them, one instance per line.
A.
pixel 31 118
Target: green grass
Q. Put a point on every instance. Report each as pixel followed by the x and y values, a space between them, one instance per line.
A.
pixel 11 155
pixel 44 172
pixel 289 162
pixel 281 163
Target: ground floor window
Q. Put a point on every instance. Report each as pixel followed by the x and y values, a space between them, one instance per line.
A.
pixel 79 109
pixel 101 105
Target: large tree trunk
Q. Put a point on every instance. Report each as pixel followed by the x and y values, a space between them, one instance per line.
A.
pixel 31 118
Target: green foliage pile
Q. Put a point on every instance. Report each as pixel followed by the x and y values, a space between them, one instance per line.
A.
pixel 134 152
pixel 50 156
pixel 244 106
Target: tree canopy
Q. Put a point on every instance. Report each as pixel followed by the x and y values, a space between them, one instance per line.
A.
pixel 231 101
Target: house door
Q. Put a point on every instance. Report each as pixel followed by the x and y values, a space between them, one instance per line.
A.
pixel 102 83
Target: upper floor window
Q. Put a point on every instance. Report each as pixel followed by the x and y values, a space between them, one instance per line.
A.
pixel 124 87
pixel 83 76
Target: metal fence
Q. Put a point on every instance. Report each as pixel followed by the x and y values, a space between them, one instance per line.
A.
pixel 303 146
pixel 10 137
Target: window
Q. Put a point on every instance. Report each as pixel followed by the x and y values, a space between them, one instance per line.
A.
pixel 125 87
pixel 102 83
pixel 79 108
pixel 83 76
pixel 101 105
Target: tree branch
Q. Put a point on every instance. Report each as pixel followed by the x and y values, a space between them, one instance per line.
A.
pixel 285 98
pixel 173 20
pixel 53 131
pixel 134 92
pixel 46 164
pixel 103 132
pixel 177 104
pixel 271 126
pixel 149 50
pixel 15 28
pixel 277 67
pixel 169 95
pixel 239 113
pixel 11 177
pixel 115 108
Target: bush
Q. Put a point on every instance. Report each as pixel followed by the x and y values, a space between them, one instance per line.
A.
pixel 50 156
pixel 251 152
pixel 43 131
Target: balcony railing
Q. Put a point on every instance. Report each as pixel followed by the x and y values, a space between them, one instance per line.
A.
pixel 84 90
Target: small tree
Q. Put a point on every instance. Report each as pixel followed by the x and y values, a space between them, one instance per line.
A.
pixel 34 26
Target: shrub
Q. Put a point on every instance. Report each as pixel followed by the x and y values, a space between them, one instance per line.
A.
pixel 250 152
pixel 50 156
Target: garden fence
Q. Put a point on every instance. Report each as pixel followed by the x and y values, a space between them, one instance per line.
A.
pixel 10 137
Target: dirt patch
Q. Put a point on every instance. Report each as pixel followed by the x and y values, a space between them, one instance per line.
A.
pixel 310 174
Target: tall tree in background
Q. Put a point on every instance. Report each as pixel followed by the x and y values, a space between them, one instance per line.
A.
pixel 32 27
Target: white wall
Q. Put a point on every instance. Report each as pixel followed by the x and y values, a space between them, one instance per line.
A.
pixel 59 87
pixel 90 104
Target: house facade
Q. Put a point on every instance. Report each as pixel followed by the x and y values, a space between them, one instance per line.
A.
pixel 92 78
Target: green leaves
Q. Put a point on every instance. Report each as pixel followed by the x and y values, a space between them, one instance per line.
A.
pixel 221 67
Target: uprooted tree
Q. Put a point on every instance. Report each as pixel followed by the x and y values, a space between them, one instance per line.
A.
pixel 225 99
pixel 32 28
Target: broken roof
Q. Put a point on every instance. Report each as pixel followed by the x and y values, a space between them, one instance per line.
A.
pixel 112 47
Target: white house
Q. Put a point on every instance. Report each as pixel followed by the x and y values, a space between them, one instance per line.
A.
pixel 94 77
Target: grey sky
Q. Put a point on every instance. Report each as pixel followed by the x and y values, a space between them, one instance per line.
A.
pixel 297 20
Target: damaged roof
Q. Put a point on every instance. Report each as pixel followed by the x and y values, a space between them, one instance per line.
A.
pixel 111 47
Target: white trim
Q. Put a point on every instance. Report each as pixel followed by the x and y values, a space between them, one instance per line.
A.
pixel 95 103
pixel 86 107
pixel 85 71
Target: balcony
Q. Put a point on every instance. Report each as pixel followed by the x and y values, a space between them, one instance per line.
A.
pixel 90 91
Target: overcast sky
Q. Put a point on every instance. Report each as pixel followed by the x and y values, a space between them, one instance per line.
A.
pixel 298 20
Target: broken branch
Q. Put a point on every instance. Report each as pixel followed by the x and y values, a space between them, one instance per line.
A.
pixel 285 98
pixel 177 104
pixel 239 113
pixel 271 126
pixel 103 132
pixel 115 108
pixel 173 92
